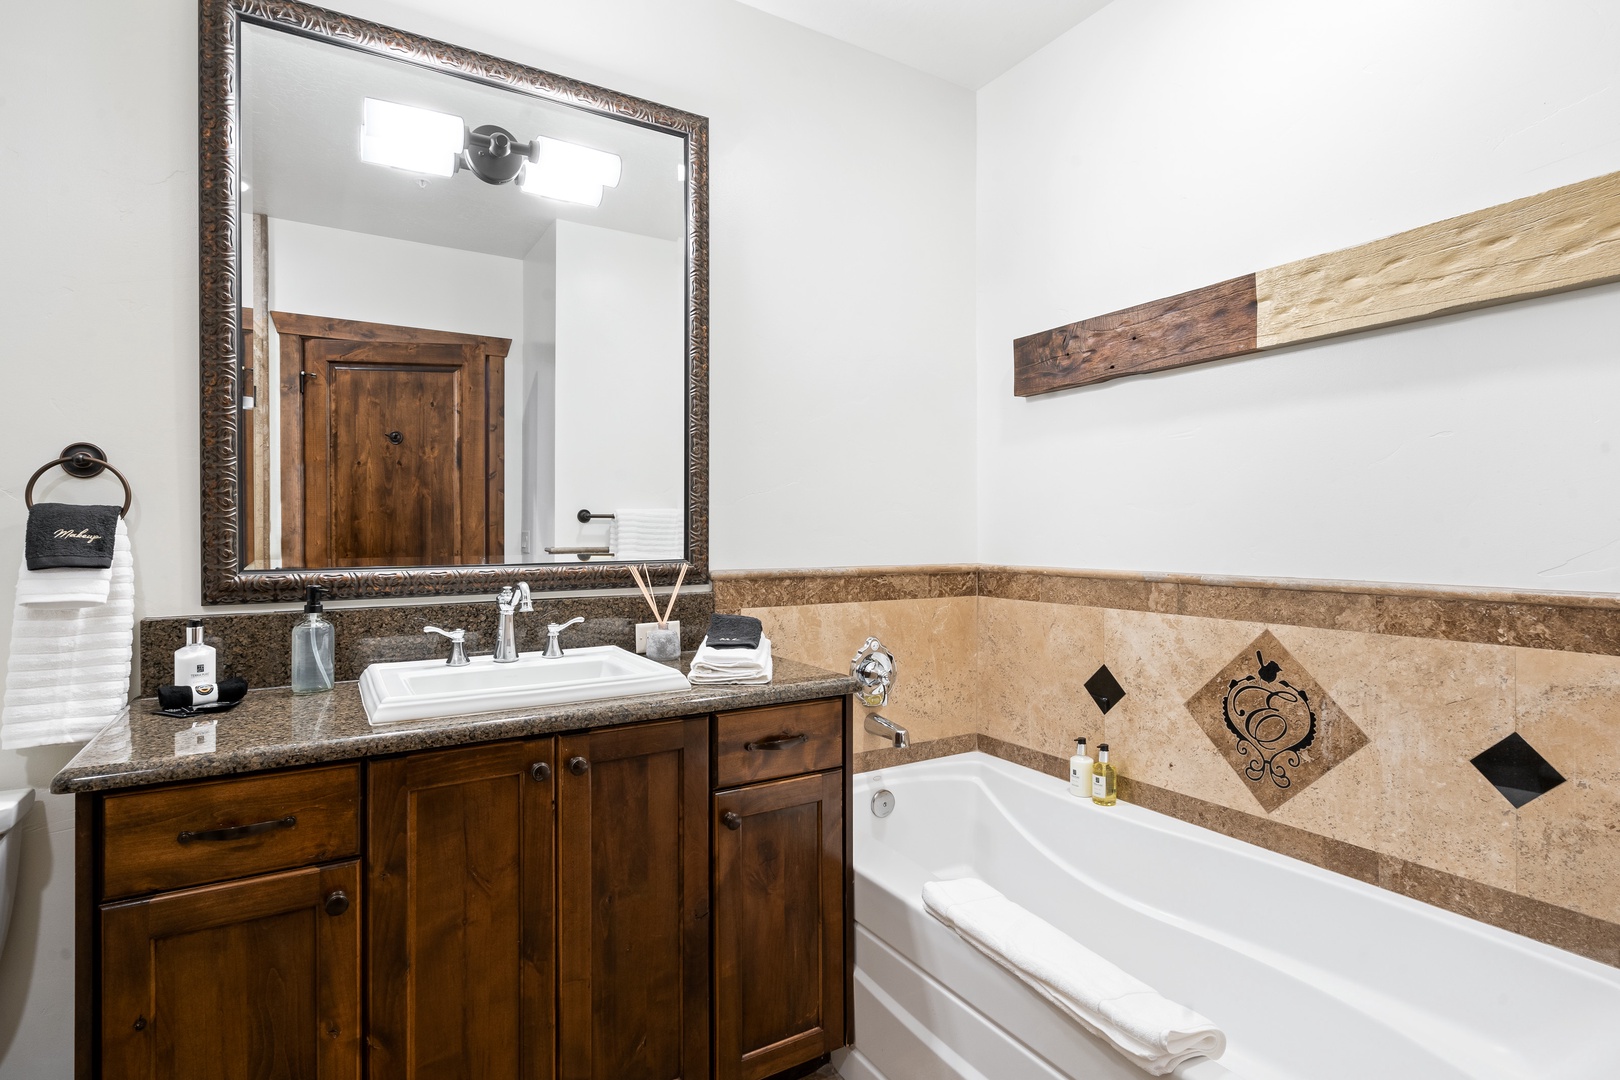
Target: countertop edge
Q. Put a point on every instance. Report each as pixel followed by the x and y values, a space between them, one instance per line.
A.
pixel 441 733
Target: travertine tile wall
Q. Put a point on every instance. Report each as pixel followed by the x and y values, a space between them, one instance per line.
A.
pixel 1009 662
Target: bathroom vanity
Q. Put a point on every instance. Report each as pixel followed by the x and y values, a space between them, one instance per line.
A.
pixel 650 887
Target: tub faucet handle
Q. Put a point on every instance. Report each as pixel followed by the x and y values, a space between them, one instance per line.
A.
pixel 874 668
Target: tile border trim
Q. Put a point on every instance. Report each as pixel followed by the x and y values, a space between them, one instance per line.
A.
pixel 1566 622
pixel 1559 927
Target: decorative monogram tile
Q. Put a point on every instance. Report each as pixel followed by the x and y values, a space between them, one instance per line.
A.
pixel 1273 723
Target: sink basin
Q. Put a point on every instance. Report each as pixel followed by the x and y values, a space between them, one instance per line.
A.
pixel 424 689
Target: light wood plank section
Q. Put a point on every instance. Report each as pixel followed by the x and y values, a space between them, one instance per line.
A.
pixel 1568 238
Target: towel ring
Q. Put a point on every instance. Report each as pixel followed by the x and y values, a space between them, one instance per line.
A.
pixel 82 460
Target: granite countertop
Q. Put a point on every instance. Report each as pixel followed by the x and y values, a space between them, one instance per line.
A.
pixel 273 729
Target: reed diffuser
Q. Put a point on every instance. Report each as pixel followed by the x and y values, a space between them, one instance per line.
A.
pixel 663 640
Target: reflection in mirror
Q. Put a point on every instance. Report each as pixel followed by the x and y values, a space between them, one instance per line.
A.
pixel 464 320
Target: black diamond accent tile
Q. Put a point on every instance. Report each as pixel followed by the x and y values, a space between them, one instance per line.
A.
pixel 1104 689
pixel 1516 770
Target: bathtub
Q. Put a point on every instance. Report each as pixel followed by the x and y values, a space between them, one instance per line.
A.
pixel 1312 975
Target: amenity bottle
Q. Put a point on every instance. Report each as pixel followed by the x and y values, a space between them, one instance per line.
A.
pixel 1104 781
pixel 312 648
pixel 1080 770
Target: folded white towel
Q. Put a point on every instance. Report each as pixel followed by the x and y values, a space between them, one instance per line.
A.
pixel 648 534
pixel 750 667
pixel 69 586
pixel 68 673
pixel 1150 1030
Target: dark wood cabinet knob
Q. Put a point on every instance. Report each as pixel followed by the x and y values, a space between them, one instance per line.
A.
pixel 540 772
pixel 337 902
pixel 731 820
pixel 578 766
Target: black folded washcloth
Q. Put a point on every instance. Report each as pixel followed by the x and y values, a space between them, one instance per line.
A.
pixel 181 700
pixel 734 632
pixel 63 534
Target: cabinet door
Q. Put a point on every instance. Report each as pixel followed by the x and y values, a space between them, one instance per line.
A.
pixel 461 929
pixel 633 895
pixel 257 979
pixel 778 924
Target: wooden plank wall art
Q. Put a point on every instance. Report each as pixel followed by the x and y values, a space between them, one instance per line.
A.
pixel 1568 238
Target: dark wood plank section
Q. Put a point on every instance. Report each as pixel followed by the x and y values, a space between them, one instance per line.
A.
pixel 779 924
pixel 461 926
pixel 142 850
pixel 780 740
pixel 86 939
pixel 633 903
pixel 1211 323
pixel 255 978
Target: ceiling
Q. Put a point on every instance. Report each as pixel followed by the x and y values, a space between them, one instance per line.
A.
pixel 302 104
pixel 967 42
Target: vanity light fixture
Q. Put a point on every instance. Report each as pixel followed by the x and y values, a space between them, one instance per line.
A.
pixel 439 144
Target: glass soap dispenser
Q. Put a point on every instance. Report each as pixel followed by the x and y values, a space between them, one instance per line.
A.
pixel 312 648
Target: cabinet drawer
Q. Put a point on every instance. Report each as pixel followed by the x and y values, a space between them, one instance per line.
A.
pixel 222 829
pixel 780 740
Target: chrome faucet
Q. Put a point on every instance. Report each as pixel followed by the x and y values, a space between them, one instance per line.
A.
pixel 890 730
pixel 510 602
pixel 553 632
pixel 458 645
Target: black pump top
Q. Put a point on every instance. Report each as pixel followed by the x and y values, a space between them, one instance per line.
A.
pixel 1081 741
pixel 313 601
pixel 1102 746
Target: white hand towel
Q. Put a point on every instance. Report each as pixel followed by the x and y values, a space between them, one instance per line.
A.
pixel 68 673
pixel 1150 1030
pixel 648 534
pixel 68 587
pixel 743 667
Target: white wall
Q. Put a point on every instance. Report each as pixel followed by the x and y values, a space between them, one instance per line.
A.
pixel 1167 144
pixel 841 191
pixel 620 380
pixel 538 432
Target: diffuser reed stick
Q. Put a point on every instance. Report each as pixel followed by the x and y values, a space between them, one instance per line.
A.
pixel 663 623
pixel 646 594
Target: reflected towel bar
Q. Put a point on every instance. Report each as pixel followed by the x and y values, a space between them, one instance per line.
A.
pixel 586 517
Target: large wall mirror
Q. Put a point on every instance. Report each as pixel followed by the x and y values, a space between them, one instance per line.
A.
pixel 454 317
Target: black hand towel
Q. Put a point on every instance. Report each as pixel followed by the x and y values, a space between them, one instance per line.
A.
pixel 734 632
pixel 61 534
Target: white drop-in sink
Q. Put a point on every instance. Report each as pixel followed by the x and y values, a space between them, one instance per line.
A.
pixel 425 689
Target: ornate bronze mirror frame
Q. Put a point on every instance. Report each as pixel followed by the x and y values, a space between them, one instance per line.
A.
pixel 220 234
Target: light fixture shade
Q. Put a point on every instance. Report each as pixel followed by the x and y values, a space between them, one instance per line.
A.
pixel 416 140
pixel 569 172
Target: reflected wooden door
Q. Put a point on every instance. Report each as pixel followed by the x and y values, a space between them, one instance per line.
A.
pixel 397 455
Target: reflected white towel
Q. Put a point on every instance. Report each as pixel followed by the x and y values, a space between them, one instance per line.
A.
pixel 69 586
pixel 745 667
pixel 1152 1031
pixel 68 674
pixel 648 534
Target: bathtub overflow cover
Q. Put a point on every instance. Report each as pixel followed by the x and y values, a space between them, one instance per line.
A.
pixel 883 802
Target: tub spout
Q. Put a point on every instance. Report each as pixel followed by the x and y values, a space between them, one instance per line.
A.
pixel 877 725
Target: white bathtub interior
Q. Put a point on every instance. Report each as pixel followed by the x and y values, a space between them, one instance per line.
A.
pixel 1313 976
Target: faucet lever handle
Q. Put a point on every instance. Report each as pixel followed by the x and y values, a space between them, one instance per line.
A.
pixel 458 648
pixel 557 628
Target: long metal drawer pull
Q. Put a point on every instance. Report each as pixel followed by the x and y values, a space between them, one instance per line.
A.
pixel 781 742
pixel 238 832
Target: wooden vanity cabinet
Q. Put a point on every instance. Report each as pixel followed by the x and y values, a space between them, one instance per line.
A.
pixel 781 888
pixel 537 909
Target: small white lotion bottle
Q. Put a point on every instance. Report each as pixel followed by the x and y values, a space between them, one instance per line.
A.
pixel 1080 771
pixel 194 661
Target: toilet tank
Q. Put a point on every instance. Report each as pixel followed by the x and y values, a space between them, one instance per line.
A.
pixel 14 806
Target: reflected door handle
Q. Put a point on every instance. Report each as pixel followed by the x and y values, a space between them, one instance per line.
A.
pixel 578 766
pixel 394 437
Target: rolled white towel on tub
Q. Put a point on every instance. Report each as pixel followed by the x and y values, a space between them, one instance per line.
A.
pixel 1149 1029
